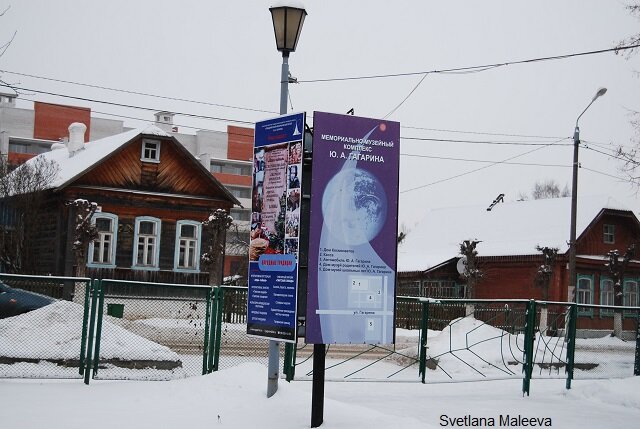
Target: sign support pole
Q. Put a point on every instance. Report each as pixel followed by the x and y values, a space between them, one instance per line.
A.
pixel 317 389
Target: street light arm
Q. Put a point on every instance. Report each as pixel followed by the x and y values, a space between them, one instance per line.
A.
pixel 585 109
pixel 599 93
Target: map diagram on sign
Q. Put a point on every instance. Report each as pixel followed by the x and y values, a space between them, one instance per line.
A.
pixel 365 292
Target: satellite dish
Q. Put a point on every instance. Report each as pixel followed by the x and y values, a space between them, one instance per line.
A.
pixel 461 266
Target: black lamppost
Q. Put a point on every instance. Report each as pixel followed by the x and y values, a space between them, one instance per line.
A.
pixel 287 25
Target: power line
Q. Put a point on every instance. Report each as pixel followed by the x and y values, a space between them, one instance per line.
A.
pixel 604 174
pixel 145 94
pixel 481 133
pixel 445 158
pixel 477 169
pixel 110 103
pixel 406 98
pixel 516 143
pixel 88 85
pixel 513 143
pixel 604 153
pixel 474 68
pixel 607 146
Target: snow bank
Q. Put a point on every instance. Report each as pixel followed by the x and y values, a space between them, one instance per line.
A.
pixel 54 332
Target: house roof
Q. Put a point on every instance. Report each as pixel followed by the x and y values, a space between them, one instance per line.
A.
pixel 94 152
pixel 513 228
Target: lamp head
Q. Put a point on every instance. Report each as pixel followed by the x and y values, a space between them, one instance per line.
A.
pixel 599 93
pixel 287 26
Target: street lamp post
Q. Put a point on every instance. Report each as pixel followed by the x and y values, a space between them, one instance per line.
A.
pixel 574 203
pixel 287 25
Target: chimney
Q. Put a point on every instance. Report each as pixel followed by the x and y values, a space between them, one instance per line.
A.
pixel 8 100
pixel 205 159
pixel 76 137
pixel 4 142
pixel 164 121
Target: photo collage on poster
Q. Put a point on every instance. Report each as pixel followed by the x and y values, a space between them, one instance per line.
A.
pixel 276 196
pixel 294 196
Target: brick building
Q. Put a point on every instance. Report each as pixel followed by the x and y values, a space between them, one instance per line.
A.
pixel 508 236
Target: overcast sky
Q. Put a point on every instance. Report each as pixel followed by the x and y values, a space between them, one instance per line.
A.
pixel 223 53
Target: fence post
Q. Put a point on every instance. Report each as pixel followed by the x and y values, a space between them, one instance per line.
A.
pixel 207 322
pixel 92 327
pixel 424 323
pixel 96 356
pixel 85 326
pixel 218 339
pixel 529 343
pixel 212 333
pixel 636 366
pixel 290 361
pixel 571 342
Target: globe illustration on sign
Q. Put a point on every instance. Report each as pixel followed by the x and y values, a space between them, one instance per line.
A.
pixel 354 206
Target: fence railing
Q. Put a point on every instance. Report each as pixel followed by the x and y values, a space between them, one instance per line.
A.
pixel 119 329
pixel 44 344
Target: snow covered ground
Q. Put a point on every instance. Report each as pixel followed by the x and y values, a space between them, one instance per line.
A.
pixel 236 398
pixel 358 393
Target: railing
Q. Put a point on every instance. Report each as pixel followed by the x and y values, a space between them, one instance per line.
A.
pixel 119 329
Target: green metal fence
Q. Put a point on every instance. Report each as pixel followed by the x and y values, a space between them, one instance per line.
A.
pixel 235 346
pixel 151 331
pixel 466 340
pixel 114 329
pixel 49 342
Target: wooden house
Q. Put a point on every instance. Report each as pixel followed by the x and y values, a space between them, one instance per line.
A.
pixel 152 197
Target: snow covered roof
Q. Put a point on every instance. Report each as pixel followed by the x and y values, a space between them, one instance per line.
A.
pixel 513 228
pixel 70 167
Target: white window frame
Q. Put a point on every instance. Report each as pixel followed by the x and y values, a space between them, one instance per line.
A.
pixel 587 293
pixel 143 156
pixel 114 242
pixel 155 265
pixel 197 247
pixel 608 233
pixel 630 299
pixel 607 295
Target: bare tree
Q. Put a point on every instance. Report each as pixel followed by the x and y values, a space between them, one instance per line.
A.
pixel 215 229
pixel 629 156
pixel 617 269
pixel 5 46
pixel 471 273
pixel 84 232
pixel 545 271
pixel 549 189
pixel 630 163
pixel 238 245
pixel 633 40
pixel 22 198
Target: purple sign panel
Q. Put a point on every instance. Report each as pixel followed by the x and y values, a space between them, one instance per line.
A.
pixel 353 230
pixel 275 228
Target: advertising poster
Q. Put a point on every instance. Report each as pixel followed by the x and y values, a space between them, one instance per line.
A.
pixel 275 228
pixel 353 230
